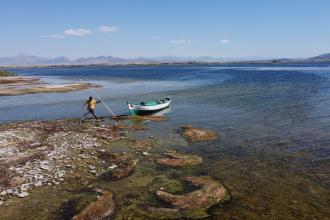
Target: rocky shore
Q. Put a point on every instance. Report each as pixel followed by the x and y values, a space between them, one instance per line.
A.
pixel 74 158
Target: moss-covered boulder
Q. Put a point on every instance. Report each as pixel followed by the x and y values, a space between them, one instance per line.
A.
pixel 193 204
pixel 198 134
pixel 102 208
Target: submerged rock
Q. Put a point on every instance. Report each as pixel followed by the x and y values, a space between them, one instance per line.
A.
pixel 130 127
pixel 141 117
pixel 209 193
pixel 102 208
pixel 148 117
pixel 140 145
pixel 179 160
pixel 122 166
pixel 198 134
pixel 163 211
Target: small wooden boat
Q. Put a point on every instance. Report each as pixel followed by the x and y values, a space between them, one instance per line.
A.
pixel 149 106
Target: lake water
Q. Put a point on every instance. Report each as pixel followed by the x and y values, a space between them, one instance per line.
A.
pixel 273 121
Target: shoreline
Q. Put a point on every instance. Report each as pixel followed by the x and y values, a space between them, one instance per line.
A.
pixel 192 63
pixel 64 156
pixel 17 85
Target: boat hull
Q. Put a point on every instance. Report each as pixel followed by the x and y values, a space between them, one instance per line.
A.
pixel 145 109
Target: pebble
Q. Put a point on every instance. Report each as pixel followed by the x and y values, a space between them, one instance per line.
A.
pixel 151 136
pixel 93 171
pixel 38 184
pixel 1 203
pixel 23 194
pixel 113 166
pixel 145 153
pixel 68 146
pixel 44 167
pixel 25 187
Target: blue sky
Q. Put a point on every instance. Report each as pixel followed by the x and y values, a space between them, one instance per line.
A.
pixel 133 28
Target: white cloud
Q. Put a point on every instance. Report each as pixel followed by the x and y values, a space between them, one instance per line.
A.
pixel 80 32
pixel 180 41
pixel 108 28
pixel 77 32
pixel 157 37
pixel 224 41
pixel 57 36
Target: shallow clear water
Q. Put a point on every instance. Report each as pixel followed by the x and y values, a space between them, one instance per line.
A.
pixel 273 123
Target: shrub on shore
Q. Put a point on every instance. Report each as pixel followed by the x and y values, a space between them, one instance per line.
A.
pixel 6 73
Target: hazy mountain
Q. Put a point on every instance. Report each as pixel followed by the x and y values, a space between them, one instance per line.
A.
pixel 98 60
pixel 323 57
pixel 26 60
pixel 21 59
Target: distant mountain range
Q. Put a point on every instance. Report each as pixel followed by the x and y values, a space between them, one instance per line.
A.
pixel 27 60
pixel 323 57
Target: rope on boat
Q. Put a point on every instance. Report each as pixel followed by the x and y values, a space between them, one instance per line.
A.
pixel 94 93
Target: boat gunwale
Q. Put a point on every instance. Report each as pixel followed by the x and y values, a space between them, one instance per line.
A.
pixel 166 100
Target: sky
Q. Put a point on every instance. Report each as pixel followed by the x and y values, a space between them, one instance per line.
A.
pixel 150 28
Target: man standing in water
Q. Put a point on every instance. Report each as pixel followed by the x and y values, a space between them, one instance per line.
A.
pixel 90 108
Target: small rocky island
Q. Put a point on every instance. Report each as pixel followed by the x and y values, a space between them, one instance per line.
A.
pixel 65 169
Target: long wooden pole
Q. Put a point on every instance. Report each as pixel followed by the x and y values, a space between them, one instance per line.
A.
pixel 99 98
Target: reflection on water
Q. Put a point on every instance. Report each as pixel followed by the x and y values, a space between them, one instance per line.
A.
pixel 273 124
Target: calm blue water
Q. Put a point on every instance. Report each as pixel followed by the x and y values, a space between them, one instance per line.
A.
pixel 273 122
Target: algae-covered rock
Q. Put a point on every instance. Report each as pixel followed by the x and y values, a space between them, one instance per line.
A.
pixel 102 208
pixel 162 182
pixel 175 159
pixel 121 166
pixel 195 203
pixel 140 145
pixel 209 193
pixel 198 134
pixel 168 212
